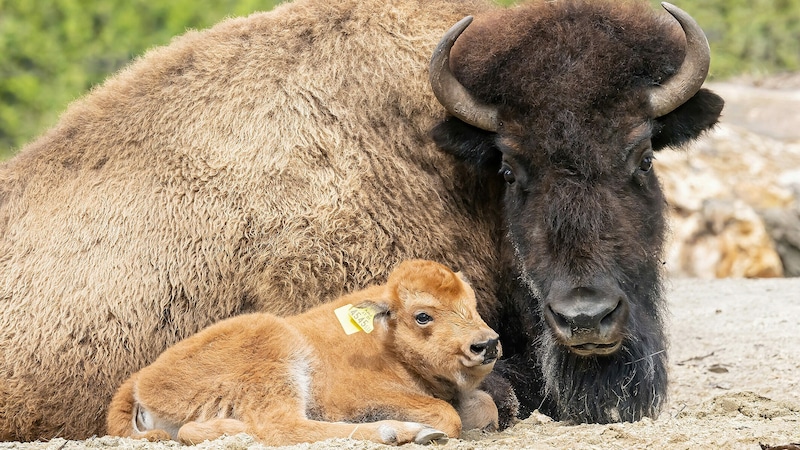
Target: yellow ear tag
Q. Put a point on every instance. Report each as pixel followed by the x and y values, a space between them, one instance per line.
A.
pixel 355 319
pixel 363 317
pixel 350 326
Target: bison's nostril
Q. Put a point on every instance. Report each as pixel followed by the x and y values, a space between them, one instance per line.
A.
pixel 489 347
pixel 559 321
pixel 478 348
pixel 612 318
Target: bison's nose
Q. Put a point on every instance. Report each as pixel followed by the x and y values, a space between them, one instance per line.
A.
pixel 487 349
pixel 588 319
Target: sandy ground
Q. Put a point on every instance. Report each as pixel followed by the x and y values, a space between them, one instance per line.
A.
pixel 735 384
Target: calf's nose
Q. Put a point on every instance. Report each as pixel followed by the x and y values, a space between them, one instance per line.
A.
pixel 488 348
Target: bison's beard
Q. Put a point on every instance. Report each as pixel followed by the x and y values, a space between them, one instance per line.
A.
pixel 626 386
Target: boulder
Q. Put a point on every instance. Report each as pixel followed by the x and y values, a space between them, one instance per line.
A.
pixel 735 195
pixel 719 192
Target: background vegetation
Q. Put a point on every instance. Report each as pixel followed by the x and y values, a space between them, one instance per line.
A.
pixel 53 51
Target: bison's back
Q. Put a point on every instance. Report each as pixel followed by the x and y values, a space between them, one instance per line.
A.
pixel 266 164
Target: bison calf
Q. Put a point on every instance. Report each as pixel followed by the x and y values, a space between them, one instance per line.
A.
pixel 287 380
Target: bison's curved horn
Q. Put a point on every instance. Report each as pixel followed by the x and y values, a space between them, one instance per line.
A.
pixel 693 71
pixel 453 95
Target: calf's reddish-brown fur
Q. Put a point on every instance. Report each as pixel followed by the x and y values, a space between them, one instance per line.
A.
pixel 302 379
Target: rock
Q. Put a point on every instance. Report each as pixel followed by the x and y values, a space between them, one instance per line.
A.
pixel 783 226
pixel 715 191
pixel 734 195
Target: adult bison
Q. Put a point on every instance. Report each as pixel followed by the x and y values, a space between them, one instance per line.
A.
pixel 277 161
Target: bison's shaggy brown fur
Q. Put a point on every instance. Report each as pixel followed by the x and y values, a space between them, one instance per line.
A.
pixel 288 156
pixel 278 156
pixel 286 380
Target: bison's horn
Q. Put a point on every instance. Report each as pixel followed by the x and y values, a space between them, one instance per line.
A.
pixel 693 71
pixel 453 95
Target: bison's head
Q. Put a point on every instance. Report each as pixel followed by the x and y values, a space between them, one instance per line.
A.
pixel 568 103
pixel 436 328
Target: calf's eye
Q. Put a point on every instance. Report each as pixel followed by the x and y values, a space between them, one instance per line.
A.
pixel 423 318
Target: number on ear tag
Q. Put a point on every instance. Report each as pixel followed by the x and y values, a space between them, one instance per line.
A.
pixel 363 317
pixel 355 319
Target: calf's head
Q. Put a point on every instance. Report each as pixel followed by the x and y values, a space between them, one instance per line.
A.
pixel 562 107
pixel 433 326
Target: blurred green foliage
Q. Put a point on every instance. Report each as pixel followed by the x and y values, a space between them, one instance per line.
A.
pixel 53 51
pixel 754 37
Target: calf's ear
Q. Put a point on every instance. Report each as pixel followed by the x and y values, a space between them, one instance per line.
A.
pixel 377 307
pixel 472 145
pixel 688 121
pixel 379 310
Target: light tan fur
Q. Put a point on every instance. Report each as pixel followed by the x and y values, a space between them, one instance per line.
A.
pixel 270 163
pixel 300 378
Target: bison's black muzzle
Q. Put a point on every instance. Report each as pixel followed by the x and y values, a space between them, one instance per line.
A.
pixel 589 320
pixel 487 349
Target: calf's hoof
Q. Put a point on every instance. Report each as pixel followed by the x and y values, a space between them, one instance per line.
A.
pixel 431 436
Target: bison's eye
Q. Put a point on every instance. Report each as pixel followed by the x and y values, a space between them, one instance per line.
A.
pixel 508 174
pixel 423 318
pixel 646 164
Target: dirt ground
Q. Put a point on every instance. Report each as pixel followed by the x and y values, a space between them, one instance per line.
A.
pixel 734 384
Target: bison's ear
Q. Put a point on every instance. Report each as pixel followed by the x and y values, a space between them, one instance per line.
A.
pixel 689 120
pixel 378 309
pixel 467 143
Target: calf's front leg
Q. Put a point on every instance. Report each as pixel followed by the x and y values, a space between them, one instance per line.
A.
pixel 477 411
